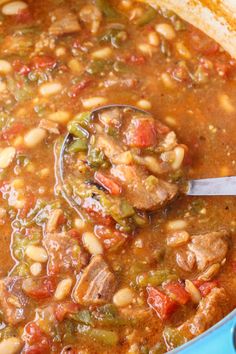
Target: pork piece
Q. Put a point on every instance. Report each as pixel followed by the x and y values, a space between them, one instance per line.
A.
pixel 111 117
pixel 109 147
pixel 203 250
pixel 13 301
pixel 49 126
pixel 53 220
pixel 211 309
pixel 142 191
pixel 64 253
pixel 63 22
pixel 92 16
pixel 96 285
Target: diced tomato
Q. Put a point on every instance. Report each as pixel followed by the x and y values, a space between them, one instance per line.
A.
pixel 12 131
pixel 205 287
pixel 111 239
pixel 29 204
pixel 36 340
pixel 177 292
pixel 141 133
pixel 39 288
pixel 76 89
pixel 100 218
pixel 223 68
pixel 33 332
pixel 24 16
pixel 64 309
pixel 74 233
pixel 43 62
pixel 203 44
pixel 108 183
pixel 136 59
pixel 76 44
pixel 20 68
pixel 160 303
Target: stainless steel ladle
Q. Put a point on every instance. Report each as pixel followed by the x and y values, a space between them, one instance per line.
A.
pixel 222 186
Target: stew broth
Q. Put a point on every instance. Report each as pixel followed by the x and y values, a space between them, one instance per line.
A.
pixel 58 60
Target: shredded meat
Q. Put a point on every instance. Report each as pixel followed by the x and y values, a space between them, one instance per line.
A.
pixel 203 250
pixel 13 301
pixel 63 22
pixel 211 310
pixel 139 192
pixel 64 253
pixel 96 285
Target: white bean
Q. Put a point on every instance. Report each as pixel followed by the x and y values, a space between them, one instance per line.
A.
pixel 14 7
pixel 11 345
pixel 146 49
pixel 75 66
pixel 153 39
pixel 63 289
pixel 167 81
pixel 50 89
pixel 178 238
pixel 166 31
pixel 5 67
pixel 144 104
pixel 193 291
pixel 6 156
pixel 80 224
pixel 3 86
pixel 60 117
pixel 36 268
pixel 93 102
pixel 91 243
pixel 179 157
pixel 183 51
pixel 34 137
pixel 174 225
pixel 123 297
pixel 226 104
pixel 103 53
pixel 37 253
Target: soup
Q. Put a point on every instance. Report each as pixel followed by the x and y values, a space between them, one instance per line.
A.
pixel 111 255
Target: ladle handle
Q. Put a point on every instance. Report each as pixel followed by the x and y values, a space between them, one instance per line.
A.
pixel 221 186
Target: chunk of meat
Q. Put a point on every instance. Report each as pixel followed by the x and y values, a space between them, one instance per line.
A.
pixel 142 191
pixel 54 220
pixel 211 309
pixel 109 146
pixel 111 118
pixel 91 15
pixel 209 248
pixel 203 251
pixel 64 253
pixel 49 126
pixel 96 285
pixel 63 22
pixel 13 301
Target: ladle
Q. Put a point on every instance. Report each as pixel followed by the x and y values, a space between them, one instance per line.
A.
pixel 221 186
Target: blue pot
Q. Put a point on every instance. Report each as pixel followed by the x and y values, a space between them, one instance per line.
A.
pixel 219 339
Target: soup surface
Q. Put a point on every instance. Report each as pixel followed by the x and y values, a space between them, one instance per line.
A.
pixel 110 255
